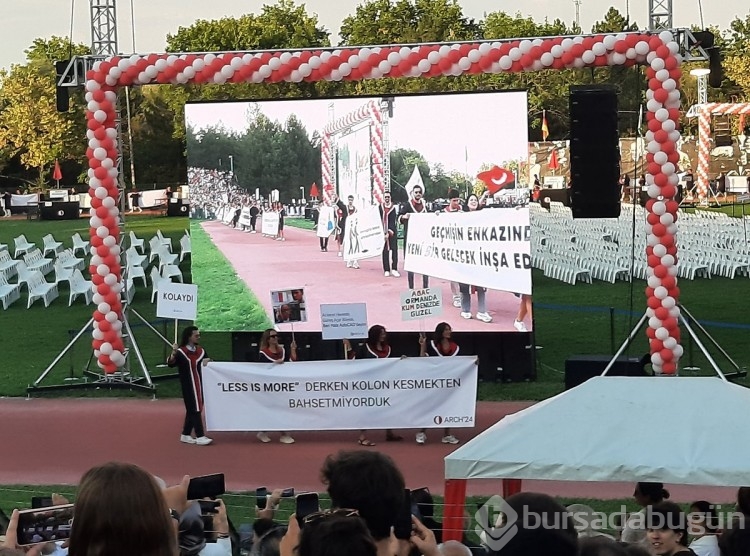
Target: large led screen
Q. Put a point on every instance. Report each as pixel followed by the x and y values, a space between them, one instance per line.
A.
pixel 264 177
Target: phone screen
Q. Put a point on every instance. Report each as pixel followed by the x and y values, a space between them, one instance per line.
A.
pixel 44 524
pixel 260 497
pixel 207 486
pixel 402 526
pixel 307 503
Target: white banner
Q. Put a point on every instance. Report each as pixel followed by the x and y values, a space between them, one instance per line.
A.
pixel 177 301
pixel 414 392
pixel 270 223
pixel 363 237
pixel 23 200
pixel 326 222
pixel 245 217
pixel 421 304
pixel 490 248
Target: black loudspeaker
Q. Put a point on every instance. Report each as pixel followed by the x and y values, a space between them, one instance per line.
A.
pixel 594 152
pixel 178 207
pixel 62 96
pixel 580 368
pixel 59 210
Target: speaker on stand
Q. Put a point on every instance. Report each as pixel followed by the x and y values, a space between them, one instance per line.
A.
pixel 594 152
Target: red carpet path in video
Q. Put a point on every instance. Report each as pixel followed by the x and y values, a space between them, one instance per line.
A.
pixel 266 265
pixel 53 441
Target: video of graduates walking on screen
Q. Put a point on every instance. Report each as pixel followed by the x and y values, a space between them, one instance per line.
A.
pixel 415 206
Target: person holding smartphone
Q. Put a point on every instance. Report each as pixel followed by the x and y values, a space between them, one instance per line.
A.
pixel 441 345
pixel 271 351
pixel 189 357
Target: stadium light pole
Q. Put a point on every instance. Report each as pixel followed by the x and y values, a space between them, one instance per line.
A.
pixel 701 74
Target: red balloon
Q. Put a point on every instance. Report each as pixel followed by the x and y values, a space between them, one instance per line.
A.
pixel 97 344
pixel 97 280
pixel 667 241
pixel 653 168
pixel 650 205
pixel 653 302
pixel 649 250
pixel 670 324
pixel 659 230
pixel 650 293
pixel 672 207
pixel 102 251
pixel 668 282
pixel 652 218
pixel 111 298
pixel 669 368
pixel 674 292
pixel 651 333
pixel 668 191
pixel 656 345
pixel 104 324
pixel 661 313
pixel 102 212
pixel 102 289
pixel 92 269
pixel 661 180
pixel 661 95
pixel 98 317
pixel 660 271
pixel 666 355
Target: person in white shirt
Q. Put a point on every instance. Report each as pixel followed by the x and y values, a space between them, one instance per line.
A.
pixel 702 528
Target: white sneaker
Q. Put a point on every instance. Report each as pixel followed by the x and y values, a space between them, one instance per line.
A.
pixel 355 264
pixel 456 300
pixel 187 439
pixel 349 264
pixel 450 439
pixel 286 439
pixel 339 254
pixel 253 232
pixel 520 326
pixel 395 274
pixel 484 317
pixel 203 441
pixel 421 438
pixel 386 274
pixel 263 437
pixel 465 315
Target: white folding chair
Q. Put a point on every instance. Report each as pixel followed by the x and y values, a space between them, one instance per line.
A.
pixel 22 245
pixel 80 244
pixel 80 286
pixel 39 288
pixel 51 244
pixel 9 293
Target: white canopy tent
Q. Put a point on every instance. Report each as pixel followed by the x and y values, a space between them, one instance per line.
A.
pixel 677 430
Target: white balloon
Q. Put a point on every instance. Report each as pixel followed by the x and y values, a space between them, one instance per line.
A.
pixel 662 75
pixel 110 279
pixel 678 351
pixel 662 333
pixel 393 59
pixel 117 326
pixel 111 316
pixel 424 66
pixel 653 147
pixel 525 46
pixel 505 63
pixel 117 358
pixel 674 136
pixel 101 192
pixel 588 57
pixel 657 64
pixel 653 105
pixel 265 72
pixel 668 125
pixel 143 78
pixel 652 240
pixel 110 241
pixel 109 202
pixel 669 301
pixel 151 72
pixel 92 85
pixel 660 158
pixel 609 41
pixel 336 75
pixel 653 322
pixel 669 85
pixel 662 115
pixel 659 250
pixel 666 37
pixel 103 308
pixel 599 49
pixel 659 207
pixel 464 64
pixel 660 292
pixel 667 260
pixel 666 219
pixel 97 334
pixel 619 59
pixel 444 50
pixel 642 48
pixel 106 348
pixel 515 53
pixel 656 359
pixel 670 343
pixel 672 229
pixel 667 168
pixel 96 260
pixel 100 153
pixel 653 282
pixel 102 231
pixel 631 54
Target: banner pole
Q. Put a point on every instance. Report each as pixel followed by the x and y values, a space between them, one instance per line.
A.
pixel 175 330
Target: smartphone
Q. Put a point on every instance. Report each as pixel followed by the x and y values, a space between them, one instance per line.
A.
pixel 402 525
pixel 40 502
pixel 260 497
pixel 40 525
pixel 207 486
pixel 307 503
pixel 208 506
pixel 287 493
pixel 419 496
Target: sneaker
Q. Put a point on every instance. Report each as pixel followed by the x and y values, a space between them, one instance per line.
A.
pixel 484 317
pixel 520 326
pixel 187 439
pixel 355 264
pixel 283 239
pixel 253 232
pixel 465 315
pixel 339 254
pixel 203 441
pixel 450 439
pixel 349 264
pixel 386 274
pixel 286 439
pixel 395 274
pixel 421 438
pixel 263 437
pixel 456 300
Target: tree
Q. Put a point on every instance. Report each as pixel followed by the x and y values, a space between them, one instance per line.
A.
pixel 30 127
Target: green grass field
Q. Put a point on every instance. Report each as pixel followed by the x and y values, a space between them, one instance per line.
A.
pixel 569 319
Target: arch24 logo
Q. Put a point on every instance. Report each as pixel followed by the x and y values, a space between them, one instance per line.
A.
pixel 453 420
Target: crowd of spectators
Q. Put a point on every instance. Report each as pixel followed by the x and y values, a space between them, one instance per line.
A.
pixel 122 510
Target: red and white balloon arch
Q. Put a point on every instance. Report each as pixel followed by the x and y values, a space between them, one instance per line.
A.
pixel 660 52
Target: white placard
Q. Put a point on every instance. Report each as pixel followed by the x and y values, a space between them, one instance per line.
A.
pixel 490 248
pixel 289 305
pixel 363 236
pixel 244 217
pixel 177 301
pixel 421 304
pixel 270 223
pixel 343 321
pixel 326 221
pixel 414 392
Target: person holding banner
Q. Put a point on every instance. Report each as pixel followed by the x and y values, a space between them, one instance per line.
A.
pixel 254 212
pixel 415 205
pixel 348 211
pixel 189 357
pixel 474 204
pixel 441 345
pixel 454 205
pixel 271 351
pixel 375 347
pixel 388 215
pixel 282 214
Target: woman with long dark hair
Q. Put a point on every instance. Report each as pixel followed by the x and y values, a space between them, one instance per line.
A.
pixel 189 357
pixel 271 351
pixel 376 347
